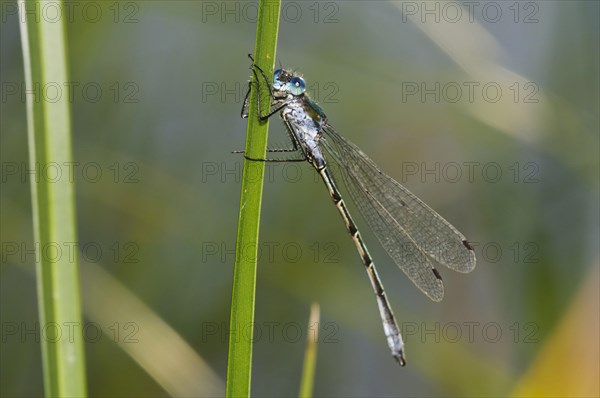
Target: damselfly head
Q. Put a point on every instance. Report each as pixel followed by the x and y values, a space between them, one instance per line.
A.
pixel 285 80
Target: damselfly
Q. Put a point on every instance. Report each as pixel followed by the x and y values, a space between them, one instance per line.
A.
pixel 413 234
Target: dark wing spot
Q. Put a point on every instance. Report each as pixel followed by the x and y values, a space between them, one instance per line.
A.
pixel 436 273
pixel 468 245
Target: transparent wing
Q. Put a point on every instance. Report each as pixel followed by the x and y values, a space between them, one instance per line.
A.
pixel 411 232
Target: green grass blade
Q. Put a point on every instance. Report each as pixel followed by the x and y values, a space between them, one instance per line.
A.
pixel 239 364
pixel 310 354
pixel 53 200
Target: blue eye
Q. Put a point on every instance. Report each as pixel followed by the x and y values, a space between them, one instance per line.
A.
pixel 278 84
pixel 297 85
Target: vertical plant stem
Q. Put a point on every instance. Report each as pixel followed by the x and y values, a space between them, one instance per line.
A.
pixel 310 354
pixel 53 201
pixel 239 366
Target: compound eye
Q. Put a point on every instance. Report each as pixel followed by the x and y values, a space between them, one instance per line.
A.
pixel 297 85
pixel 278 84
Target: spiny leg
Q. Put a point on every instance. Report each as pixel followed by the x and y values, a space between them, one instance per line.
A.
pixel 296 147
pixel 278 100
pixel 277 104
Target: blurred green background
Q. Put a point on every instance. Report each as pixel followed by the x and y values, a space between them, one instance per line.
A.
pixel 488 111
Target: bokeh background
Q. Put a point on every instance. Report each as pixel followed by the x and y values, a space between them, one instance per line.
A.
pixel 487 111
